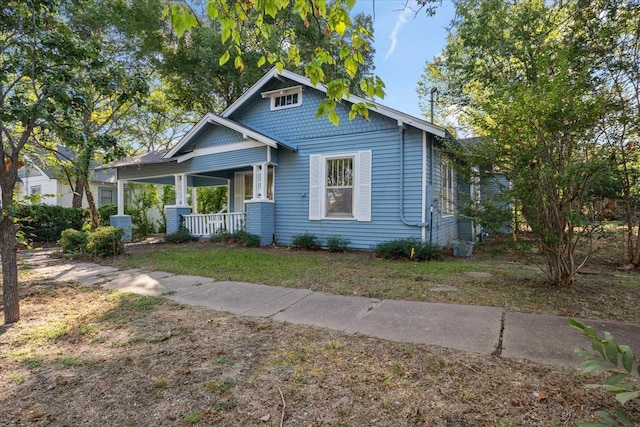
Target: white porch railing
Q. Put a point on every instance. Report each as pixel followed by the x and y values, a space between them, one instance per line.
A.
pixel 210 224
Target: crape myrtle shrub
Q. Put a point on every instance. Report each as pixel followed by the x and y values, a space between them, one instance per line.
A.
pixel 45 223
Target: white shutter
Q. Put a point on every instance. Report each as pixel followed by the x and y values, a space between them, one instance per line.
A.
pixel 363 195
pixel 315 180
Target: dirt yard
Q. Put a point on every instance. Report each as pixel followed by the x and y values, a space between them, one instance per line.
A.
pixel 84 356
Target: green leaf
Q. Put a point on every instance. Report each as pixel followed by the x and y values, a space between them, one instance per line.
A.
pixel 626 396
pixel 351 3
pixel 627 359
pixel 605 418
pixel 334 118
pixel 350 66
pixel 615 379
pixel 612 352
pixel 270 8
pixel 340 28
pixel 597 346
pixel 623 418
pixel 262 61
pixel 224 58
pixel 237 62
pixel 212 10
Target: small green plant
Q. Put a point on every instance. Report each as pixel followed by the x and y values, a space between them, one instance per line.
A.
pixel 306 241
pixel 193 417
pixel 411 249
pixel 181 236
pixel 620 363
pixel 73 242
pixel 337 244
pixel 105 241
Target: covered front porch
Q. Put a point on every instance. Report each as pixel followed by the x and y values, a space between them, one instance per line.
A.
pixel 249 205
pixel 215 152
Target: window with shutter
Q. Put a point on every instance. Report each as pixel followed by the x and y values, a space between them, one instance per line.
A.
pixel 340 186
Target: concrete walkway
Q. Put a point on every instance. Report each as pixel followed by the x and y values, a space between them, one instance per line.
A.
pixel 487 330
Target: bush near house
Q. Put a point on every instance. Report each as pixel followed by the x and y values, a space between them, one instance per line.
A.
pixel 45 223
pixel 103 242
pixel 246 239
pixel 73 242
pixel 412 249
pixel 306 241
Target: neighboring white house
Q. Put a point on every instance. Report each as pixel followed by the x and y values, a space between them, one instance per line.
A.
pixel 52 187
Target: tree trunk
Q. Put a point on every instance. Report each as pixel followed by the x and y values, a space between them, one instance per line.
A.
pixel 10 296
pixel 78 192
pixel 94 215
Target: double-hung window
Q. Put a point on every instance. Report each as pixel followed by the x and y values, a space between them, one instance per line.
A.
pixel 340 186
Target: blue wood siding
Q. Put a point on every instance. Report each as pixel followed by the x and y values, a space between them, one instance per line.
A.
pixel 292 189
pixel 295 124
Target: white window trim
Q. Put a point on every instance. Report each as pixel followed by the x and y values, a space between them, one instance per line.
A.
pixel 274 94
pixel 361 186
pixel 447 196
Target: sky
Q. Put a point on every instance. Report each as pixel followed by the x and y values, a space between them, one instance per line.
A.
pixel 404 42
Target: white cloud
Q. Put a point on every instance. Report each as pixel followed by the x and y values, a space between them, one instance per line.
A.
pixel 402 19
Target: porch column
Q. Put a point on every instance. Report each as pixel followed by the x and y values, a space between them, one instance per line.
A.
pixel 260 181
pixel 181 189
pixel 120 195
pixel 194 200
pixel 121 220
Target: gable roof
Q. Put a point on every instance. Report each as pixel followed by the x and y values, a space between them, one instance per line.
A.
pixel 63 154
pixel 373 106
pixel 212 119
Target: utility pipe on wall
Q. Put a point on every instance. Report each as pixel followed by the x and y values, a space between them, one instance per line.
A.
pixel 411 224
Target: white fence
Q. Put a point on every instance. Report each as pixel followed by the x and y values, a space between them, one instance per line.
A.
pixel 210 224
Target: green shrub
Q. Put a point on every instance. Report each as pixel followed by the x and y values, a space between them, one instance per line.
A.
pixel 181 236
pixel 337 244
pixel 106 211
pixel 246 239
pixel 621 365
pixel 412 249
pixel 45 223
pixel 105 241
pixel 306 241
pixel 73 242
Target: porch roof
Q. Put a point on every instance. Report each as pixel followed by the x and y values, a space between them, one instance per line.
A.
pixel 148 158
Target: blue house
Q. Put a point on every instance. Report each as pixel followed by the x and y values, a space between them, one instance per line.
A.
pixel 288 172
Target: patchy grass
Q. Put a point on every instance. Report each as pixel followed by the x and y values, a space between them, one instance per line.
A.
pixel 501 273
pixel 158 363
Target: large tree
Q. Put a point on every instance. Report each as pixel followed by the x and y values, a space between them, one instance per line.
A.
pixel 245 26
pixel 527 75
pixel 39 57
pixel 621 129
pixel 125 33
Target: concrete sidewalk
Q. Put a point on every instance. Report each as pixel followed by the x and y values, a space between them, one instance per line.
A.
pixel 487 330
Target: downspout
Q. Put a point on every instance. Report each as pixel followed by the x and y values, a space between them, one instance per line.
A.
pixel 414 224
